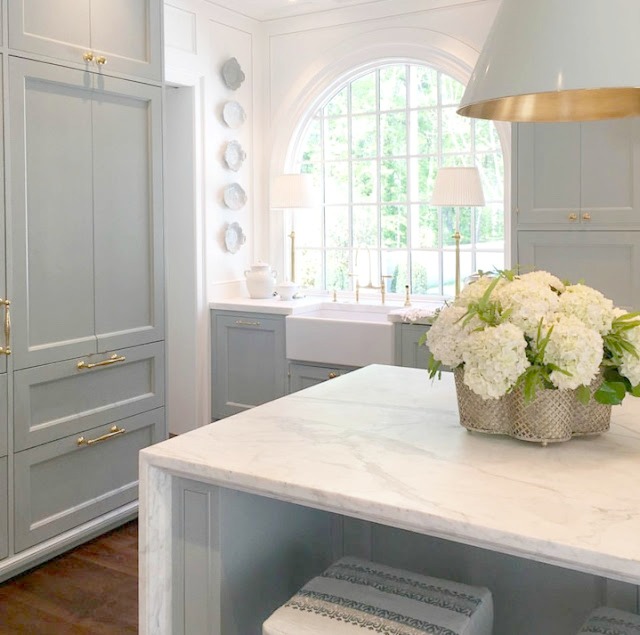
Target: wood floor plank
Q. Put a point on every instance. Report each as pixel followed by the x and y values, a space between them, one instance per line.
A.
pixel 92 589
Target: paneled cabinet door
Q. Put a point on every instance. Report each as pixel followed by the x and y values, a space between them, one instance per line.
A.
pixel 303 376
pixel 606 260
pixel 248 361
pixel 125 34
pixel 4 335
pixel 87 209
pixel 4 413
pixel 409 352
pixel 578 175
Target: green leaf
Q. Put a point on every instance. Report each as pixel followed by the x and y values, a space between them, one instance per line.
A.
pixel 583 393
pixel 611 393
pixel 635 391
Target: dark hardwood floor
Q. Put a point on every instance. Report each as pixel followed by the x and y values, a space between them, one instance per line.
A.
pixel 92 590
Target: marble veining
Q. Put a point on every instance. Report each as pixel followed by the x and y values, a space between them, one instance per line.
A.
pixel 384 444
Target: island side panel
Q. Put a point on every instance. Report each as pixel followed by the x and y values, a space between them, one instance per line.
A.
pixel 237 557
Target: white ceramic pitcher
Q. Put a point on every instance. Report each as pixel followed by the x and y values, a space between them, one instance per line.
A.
pixel 261 280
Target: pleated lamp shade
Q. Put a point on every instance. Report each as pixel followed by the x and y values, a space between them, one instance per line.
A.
pixel 558 60
pixel 293 191
pixel 458 187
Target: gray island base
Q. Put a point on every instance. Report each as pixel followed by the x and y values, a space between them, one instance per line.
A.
pixel 235 516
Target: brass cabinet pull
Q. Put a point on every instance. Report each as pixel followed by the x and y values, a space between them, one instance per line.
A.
pixel 7 328
pixel 573 217
pixel 100 60
pixel 112 433
pixel 243 323
pixel 586 216
pixel 114 359
pixel 88 56
pixel 332 375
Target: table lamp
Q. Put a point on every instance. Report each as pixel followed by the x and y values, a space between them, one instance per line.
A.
pixel 293 191
pixel 458 187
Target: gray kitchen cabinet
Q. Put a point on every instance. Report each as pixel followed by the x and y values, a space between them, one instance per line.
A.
pixel 123 36
pixel 4 414
pixel 578 176
pixel 65 483
pixel 248 365
pixel 56 400
pixel 408 351
pixel 4 509
pixel 87 213
pixel 303 376
pixel 606 260
pixel 4 343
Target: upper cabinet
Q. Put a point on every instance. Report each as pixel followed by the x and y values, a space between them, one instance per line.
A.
pixel 5 332
pixel 87 213
pixel 121 36
pixel 578 175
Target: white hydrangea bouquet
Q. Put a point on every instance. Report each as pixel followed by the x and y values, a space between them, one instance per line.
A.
pixel 536 332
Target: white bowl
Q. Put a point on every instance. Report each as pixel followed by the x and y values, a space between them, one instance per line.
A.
pixel 287 290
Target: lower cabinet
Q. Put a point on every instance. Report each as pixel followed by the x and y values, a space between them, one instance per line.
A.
pixel 305 375
pixel 4 509
pixel 248 365
pixel 65 483
pixel 409 353
pixel 4 402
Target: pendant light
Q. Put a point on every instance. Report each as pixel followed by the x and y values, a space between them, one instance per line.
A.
pixel 558 60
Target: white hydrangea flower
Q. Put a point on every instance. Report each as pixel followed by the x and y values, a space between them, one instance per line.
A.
pixel 630 366
pixel 543 278
pixel 529 302
pixel 475 290
pixel 447 335
pixel 588 305
pixel 494 359
pixel 575 348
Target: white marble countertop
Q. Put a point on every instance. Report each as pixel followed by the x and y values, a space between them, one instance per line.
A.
pixel 384 444
pixel 397 312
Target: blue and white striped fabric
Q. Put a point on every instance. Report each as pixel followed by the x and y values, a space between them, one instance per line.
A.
pixel 606 621
pixel 355 596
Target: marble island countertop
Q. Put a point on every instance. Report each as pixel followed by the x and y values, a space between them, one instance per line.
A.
pixel 384 444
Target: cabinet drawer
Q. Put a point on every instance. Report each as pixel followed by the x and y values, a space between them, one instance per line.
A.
pixel 303 376
pixel 63 484
pixel 411 353
pixel 4 511
pixel 3 414
pixel 56 400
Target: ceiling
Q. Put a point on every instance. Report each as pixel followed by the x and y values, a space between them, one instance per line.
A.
pixel 274 9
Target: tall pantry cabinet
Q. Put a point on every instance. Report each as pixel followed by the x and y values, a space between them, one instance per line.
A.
pixel 84 267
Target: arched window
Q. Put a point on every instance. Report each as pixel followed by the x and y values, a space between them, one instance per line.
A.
pixel 374 149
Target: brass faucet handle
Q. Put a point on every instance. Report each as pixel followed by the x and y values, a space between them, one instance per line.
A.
pixel 383 287
pixel 407 296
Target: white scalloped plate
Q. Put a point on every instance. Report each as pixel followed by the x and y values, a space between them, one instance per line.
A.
pixel 234 155
pixel 233 114
pixel 234 238
pixel 232 74
pixel 234 196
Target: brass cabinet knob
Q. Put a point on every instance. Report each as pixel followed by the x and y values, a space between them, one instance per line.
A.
pixel 332 375
pixel 586 216
pixel 101 61
pixel 88 56
pixel 573 217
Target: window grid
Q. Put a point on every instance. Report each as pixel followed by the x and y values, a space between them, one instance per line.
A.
pixel 410 204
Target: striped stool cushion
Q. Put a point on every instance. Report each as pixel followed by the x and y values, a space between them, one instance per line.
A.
pixel 356 596
pixel 605 621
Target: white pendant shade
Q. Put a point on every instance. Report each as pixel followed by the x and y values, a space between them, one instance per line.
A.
pixel 558 60
pixel 458 187
pixel 293 191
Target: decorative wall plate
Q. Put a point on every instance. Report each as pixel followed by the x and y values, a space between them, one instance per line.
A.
pixel 234 196
pixel 234 238
pixel 234 155
pixel 232 74
pixel 233 114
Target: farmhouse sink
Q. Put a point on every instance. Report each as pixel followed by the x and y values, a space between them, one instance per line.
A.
pixel 350 335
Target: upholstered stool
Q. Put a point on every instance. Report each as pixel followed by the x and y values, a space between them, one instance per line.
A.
pixel 356 597
pixel 611 622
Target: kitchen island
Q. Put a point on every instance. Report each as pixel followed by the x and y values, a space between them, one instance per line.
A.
pixel 235 516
